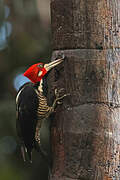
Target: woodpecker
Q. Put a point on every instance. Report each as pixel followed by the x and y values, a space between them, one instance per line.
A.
pixel 32 107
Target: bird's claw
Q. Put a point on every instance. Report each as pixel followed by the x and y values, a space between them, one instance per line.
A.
pixel 57 92
pixel 60 98
pixel 59 102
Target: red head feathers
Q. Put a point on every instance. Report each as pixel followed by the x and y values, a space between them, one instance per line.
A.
pixel 36 72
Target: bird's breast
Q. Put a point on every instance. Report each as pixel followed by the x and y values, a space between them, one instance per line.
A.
pixel 43 107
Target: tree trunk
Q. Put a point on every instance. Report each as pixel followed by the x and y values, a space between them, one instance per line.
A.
pixel 85 133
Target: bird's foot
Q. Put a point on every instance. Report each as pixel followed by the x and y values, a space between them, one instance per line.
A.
pixel 57 92
pixel 58 96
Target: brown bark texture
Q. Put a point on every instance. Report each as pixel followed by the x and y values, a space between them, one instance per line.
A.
pixel 85 132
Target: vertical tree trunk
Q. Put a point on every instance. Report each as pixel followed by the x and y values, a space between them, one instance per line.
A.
pixel 85 133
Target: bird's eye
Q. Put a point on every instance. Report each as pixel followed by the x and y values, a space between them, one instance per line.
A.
pixel 40 65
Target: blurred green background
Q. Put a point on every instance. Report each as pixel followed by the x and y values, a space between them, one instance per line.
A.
pixel 25 39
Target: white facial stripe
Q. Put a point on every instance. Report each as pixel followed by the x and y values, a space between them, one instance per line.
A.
pixel 40 87
pixel 40 73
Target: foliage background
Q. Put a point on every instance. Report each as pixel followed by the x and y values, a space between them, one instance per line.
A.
pixel 25 39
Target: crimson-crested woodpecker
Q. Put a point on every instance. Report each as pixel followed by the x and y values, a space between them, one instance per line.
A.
pixel 32 107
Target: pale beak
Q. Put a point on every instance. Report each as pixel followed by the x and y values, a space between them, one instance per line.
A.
pixel 52 64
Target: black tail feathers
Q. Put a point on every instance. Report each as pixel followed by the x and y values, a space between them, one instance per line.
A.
pixel 25 150
pixel 38 148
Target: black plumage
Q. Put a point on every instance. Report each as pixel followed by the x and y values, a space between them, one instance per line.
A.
pixel 31 110
pixel 27 105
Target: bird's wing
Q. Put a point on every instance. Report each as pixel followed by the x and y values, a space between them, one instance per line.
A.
pixel 27 104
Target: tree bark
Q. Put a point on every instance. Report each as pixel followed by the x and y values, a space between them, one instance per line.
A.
pixel 85 133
